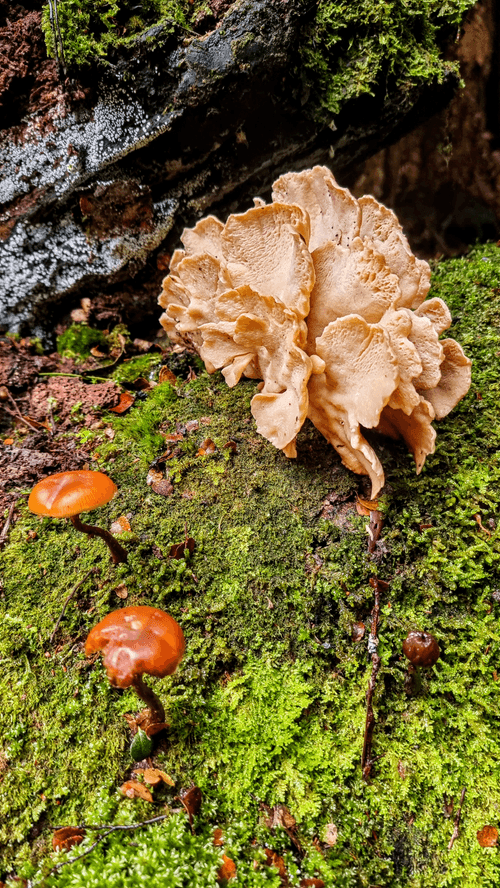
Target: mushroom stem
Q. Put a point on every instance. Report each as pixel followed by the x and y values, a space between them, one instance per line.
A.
pixel 118 553
pixel 150 699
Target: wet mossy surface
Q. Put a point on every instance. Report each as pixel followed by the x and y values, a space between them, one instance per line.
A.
pixel 268 705
pixel 346 50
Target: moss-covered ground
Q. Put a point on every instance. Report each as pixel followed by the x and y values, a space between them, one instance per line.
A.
pixel 268 706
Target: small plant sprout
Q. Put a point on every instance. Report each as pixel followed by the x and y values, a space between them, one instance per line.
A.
pixel 134 641
pixel 66 494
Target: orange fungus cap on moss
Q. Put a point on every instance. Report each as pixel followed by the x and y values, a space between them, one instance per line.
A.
pixel 68 493
pixel 136 640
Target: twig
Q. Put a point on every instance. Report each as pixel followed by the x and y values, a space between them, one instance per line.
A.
pixel 107 831
pixel 68 599
pixel 366 755
pixel 18 413
pixel 457 820
pixel 5 528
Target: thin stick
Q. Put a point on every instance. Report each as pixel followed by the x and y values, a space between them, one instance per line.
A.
pixel 5 529
pixel 68 599
pixel 18 413
pixel 108 831
pixel 366 755
pixel 457 820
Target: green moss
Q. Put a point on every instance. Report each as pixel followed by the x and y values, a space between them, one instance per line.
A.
pixel 268 705
pixel 89 29
pixel 78 339
pixel 357 49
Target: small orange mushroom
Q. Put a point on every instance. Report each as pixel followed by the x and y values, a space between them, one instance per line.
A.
pixel 66 494
pixel 135 640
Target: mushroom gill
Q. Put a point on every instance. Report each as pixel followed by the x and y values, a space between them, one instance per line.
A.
pixel 319 295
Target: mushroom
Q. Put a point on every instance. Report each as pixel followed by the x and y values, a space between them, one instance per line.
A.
pixel 319 295
pixel 421 649
pixel 134 641
pixel 66 494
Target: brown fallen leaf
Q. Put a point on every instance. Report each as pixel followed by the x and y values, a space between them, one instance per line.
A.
pixel 330 835
pixel 364 507
pixel 207 447
pixel 166 375
pixel 154 776
pixel 226 871
pixel 178 549
pixel 402 770
pixel 358 631
pixel 218 837
pixel 97 353
pixel 191 799
pixel 422 527
pixel 205 420
pixel 64 838
pixel 231 445
pixel 155 728
pixel 172 438
pixel 163 487
pixel 124 404
pixel 280 816
pixel 142 345
pixel 135 790
pixel 273 859
pixel 121 525
pixel 481 525
pixel 121 591
pixel 192 425
pixel 487 836
pixel 311 883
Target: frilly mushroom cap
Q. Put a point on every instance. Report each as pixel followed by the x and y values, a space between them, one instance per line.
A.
pixel 421 649
pixel 319 295
pixel 68 493
pixel 136 640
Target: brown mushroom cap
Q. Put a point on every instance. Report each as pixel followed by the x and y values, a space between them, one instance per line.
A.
pixel 69 493
pixel 421 648
pixel 136 640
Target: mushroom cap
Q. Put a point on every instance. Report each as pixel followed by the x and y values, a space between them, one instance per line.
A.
pixel 135 640
pixel 68 493
pixel 421 648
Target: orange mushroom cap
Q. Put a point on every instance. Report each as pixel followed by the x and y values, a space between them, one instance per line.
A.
pixel 68 493
pixel 135 640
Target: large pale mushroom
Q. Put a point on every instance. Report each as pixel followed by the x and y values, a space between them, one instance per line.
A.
pixel 319 295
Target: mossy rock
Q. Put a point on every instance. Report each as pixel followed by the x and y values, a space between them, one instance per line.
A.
pixel 268 706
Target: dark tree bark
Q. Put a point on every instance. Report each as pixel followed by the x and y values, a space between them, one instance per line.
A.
pixel 98 182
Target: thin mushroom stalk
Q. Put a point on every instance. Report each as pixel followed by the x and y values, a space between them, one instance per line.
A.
pixel 118 553
pixel 150 699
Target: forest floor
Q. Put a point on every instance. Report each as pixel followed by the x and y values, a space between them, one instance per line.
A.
pixel 262 783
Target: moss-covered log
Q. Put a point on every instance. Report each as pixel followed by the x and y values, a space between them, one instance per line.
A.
pixel 162 125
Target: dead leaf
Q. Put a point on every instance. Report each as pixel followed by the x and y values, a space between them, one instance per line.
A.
pixel 218 837
pixel 206 448
pixel 231 445
pixel 330 835
pixel 121 525
pixel 163 487
pixel 311 883
pixel 155 728
pixel 166 375
pixel 142 345
pixel 171 439
pixel 280 816
pixel 226 871
pixel 487 836
pixel 121 591
pixel 64 838
pixel 422 527
pixel 481 525
pixel 358 631
pixel 191 799
pixel 125 402
pixel 135 790
pixel 364 507
pixel 154 477
pixel 402 770
pixel 273 859
pixel 97 353
pixel 205 420
pixel 192 425
pixel 110 433
pixel 178 549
